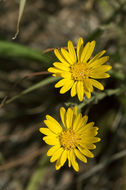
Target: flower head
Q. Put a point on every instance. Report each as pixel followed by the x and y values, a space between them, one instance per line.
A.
pixel 75 139
pixel 78 70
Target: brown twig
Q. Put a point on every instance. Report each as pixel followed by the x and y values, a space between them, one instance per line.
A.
pixel 22 135
pixel 22 160
pixel 2 103
pixel 52 49
pixel 38 74
pixel 102 165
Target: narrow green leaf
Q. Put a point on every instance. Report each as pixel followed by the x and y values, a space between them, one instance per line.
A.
pixel 13 50
pixel 34 87
pixel 39 174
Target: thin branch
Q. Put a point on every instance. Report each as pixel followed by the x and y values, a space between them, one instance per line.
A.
pixel 22 160
pixel 20 80
pixel 52 49
pixel 38 74
pixel 3 101
pixel 99 96
pixel 22 135
pixel 102 165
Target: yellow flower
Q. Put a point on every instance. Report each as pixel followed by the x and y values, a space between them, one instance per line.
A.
pixel 75 139
pixel 79 70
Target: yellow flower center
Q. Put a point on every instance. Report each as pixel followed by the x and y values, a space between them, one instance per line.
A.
pixel 80 71
pixel 68 139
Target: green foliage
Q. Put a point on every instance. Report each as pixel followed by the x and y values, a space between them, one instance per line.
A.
pixel 33 106
pixel 13 50
pixel 34 87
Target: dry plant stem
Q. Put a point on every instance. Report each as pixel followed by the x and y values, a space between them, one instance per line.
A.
pixel 99 96
pixel 22 135
pixel 52 49
pixel 102 165
pixel 20 80
pixel 21 9
pixel 117 125
pixel 38 74
pixel 23 160
pixel 2 103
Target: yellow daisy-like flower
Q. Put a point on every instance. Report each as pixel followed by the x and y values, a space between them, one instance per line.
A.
pixel 75 139
pixel 79 70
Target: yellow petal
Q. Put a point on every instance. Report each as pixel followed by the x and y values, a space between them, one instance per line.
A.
pixel 79 48
pixel 89 51
pixel 67 56
pixel 74 111
pixel 77 121
pixel 91 146
pixel 88 140
pixel 63 157
pixel 67 86
pixel 73 161
pixel 72 51
pixel 97 56
pixel 46 131
pixel 60 57
pixel 80 156
pixel 60 83
pixel 51 140
pixel 54 70
pixel 53 149
pixel 54 122
pixel 74 89
pixel 53 125
pixel 84 52
pixel 86 152
pixel 99 75
pixel 69 118
pixel 66 75
pixel 69 160
pixel 82 123
pixel 91 131
pixel 56 155
pixel 58 164
pixel 89 125
pixel 88 94
pixel 95 139
pixel 101 69
pixel 63 115
pixel 98 62
pixel 80 90
pixel 61 66
pixel 85 119
pixel 97 84
pixel 88 85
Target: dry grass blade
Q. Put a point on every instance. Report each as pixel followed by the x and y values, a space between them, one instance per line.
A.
pixel 102 165
pixel 21 9
pixel 22 160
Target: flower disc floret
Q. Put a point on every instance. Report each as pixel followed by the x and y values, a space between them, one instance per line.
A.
pixel 68 139
pixel 78 70
pixel 74 141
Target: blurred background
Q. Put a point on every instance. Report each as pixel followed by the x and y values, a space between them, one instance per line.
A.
pixel 26 96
